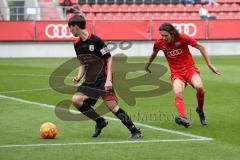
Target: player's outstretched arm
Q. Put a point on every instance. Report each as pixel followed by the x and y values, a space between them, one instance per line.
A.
pixel 207 59
pixel 150 59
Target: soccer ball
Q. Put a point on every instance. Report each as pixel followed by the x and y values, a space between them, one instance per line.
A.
pixel 48 130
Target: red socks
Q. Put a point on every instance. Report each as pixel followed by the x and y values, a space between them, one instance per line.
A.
pixel 200 99
pixel 180 106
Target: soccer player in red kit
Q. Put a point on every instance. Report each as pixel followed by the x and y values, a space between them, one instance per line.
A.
pixel 183 70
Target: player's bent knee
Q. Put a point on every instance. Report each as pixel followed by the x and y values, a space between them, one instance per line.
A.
pixel 77 100
pixel 178 94
pixel 199 89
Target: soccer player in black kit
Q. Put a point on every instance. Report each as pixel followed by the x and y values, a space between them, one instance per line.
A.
pixel 96 64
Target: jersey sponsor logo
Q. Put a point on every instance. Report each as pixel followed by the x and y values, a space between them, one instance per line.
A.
pixel 91 48
pixel 104 50
pixel 174 53
pixel 177 44
pixel 58 31
pixel 189 29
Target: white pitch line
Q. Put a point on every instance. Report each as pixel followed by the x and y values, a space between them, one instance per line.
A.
pixel 96 143
pixel 114 119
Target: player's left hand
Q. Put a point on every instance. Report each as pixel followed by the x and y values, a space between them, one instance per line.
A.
pixel 214 69
pixel 108 85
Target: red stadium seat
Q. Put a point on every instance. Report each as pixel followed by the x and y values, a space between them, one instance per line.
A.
pixel 226 8
pixel 235 7
pixel 169 8
pixel 161 8
pixel 133 8
pixel 209 7
pixel 85 8
pixel 156 16
pixel 118 16
pixel 109 16
pixel 114 8
pixel 96 8
pixel 105 8
pixel 185 16
pixel 222 15
pixel 217 8
pixel 194 16
pixel 175 16
pixel 138 16
pixel 143 8
pixel 147 16
pixel 99 16
pixel 128 16
pixel 90 16
pixel 189 8
pixel 152 8
pixel 124 8
pixel 197 7
pixel 180 8
pixel 165 16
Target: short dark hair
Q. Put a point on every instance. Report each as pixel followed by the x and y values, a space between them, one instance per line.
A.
pixel 169 28
pixel 78 20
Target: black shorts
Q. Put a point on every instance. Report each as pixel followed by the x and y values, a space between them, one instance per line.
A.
pixel 96 90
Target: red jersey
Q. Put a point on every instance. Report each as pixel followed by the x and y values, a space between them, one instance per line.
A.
pixel 177 53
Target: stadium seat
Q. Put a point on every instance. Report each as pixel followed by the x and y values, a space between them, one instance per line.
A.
pixel 194 16
pixel 152 8
pixel 128 1
pixel 85 8
pixel 156 16
pixel 217 8
pixel 118 16
pixel 147 1
pixel 109 16
pixel 105 8
pixel 147 16
pixel 82 1
pixel 96 8
pixel 226 8
pixel 180 8
pixel 90 16
pixel 161 8
pixel 110 1
pixel 101 2
pixel 133 8
pixel 222 15
pixel 185 16
pixel 209 7
pixel 115 8
pixel 91 2
pixel 99 16
pixel 197 7
pixel 124 8
pixel 169 8
pixel 165 16
pixel 128 16
pixel 175 16
pixel 143 8
pixel 189 8
pixel 138 2
pixel 235 7
pixel 74 1
pixel 138 16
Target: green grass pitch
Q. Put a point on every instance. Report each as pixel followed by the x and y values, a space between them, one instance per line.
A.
pixel 26 101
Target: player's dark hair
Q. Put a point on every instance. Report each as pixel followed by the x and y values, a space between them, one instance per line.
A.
pixel 168 27
pixel 78 20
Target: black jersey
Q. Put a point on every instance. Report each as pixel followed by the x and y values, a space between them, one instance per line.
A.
pixel 93 54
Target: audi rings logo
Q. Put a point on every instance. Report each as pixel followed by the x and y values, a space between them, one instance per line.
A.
pixel 58 31
pixel 174 53
pixel 189 29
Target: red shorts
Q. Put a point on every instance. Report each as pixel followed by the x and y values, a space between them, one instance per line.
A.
pixel 185 76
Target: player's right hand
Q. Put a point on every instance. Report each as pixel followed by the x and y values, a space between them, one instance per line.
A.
pixel 147 69
pixel 76 79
